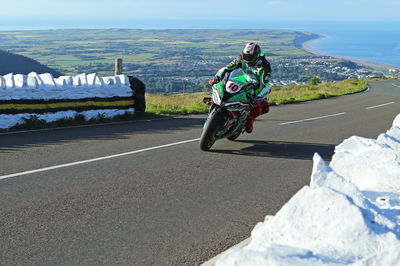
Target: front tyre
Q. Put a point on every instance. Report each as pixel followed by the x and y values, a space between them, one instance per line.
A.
pixel 208 136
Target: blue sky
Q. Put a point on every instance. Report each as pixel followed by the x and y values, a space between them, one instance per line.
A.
pixel 202 9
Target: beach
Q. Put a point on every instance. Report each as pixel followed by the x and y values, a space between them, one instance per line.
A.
pixel 307 46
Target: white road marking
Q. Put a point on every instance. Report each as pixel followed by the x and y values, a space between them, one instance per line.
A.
pixel 396 84
pixel 311 119
pixel 376 106
pixel 96 159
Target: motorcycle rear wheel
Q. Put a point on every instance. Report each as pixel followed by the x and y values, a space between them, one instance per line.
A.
pixel 208 136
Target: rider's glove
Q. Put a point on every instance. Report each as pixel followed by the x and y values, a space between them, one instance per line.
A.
pixel 214 80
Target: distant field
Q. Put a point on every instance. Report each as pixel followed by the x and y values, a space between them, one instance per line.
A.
pixel 69 50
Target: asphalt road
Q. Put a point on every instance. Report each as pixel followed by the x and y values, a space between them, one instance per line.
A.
pixel 142 193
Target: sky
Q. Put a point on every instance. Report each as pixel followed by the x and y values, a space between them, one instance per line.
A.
pixel 296 10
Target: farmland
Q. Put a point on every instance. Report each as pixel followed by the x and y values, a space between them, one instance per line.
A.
pixel 166 60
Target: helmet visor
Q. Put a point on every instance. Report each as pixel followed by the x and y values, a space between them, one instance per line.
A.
pixel 250 58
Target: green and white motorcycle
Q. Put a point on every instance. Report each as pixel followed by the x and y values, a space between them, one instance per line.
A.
pixel 230 106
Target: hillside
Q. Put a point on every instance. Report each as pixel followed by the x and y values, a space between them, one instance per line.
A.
pixel 19 64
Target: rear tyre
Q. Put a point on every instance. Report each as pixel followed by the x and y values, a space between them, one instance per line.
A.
pixel 208 137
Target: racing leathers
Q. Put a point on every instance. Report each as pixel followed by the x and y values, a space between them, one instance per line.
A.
pixel 262 69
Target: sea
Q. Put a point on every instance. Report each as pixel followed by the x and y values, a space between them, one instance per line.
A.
pixel 373 41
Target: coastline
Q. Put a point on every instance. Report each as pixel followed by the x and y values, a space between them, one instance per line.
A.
pixel 307 46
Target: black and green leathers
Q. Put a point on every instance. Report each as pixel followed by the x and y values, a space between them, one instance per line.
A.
pixel 262 69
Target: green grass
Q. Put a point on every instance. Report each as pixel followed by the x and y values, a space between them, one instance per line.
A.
pixel 300 93
pixel 180 104
pixel 176 104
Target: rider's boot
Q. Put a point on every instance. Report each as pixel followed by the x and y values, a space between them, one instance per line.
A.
pixel 249 125
pixel 255 112
pixel 263 108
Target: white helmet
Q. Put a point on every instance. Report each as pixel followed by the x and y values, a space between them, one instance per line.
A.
pixel 251 53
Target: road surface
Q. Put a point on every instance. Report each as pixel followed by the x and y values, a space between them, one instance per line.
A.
pixel 143 193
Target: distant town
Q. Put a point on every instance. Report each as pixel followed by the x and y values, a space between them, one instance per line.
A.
pixel 192 76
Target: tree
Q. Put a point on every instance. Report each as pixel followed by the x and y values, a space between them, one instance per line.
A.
pixel 315 80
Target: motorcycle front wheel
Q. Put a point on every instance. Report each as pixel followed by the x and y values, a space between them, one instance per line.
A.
pixel 214 121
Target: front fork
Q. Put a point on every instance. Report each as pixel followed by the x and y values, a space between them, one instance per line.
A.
pixel 232 119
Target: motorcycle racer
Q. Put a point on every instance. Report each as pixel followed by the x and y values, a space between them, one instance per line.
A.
pixel 251 60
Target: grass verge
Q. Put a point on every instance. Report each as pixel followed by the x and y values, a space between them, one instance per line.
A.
pixel 301 93
pixel 176 104
pixel 179 104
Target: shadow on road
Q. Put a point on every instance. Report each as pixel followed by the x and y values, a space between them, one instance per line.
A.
pixel 282 149
pixel 124 130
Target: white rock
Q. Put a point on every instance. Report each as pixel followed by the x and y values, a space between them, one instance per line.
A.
pixel 38 78
pixel 389 257
pixel 2 83
pixel 349 215
pixel 323 176
pixel 44 86
pixel 99 82
pixel 367 173
pixel 7 121
pixel 391 139
pixel 20 80
pixel 317 226
pixel 68 80
pixel 83 78
pixel 9 78
pixel 32 82
pixel 91 79
pixel 108 81
pixel 396 122
pixel 76 81
pixel 117 80
pixel 124 79
pixel 48 79
pixel 60 82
